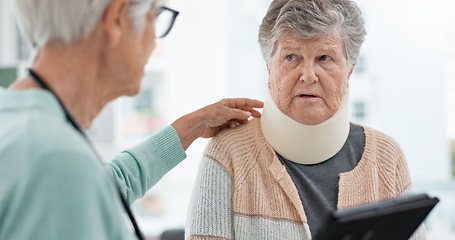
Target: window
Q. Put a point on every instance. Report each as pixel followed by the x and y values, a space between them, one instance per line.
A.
pixel 7 76
pixel 140 115
pixel 359 110
pixel 360 67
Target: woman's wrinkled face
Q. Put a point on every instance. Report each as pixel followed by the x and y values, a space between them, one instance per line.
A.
pixel 308 78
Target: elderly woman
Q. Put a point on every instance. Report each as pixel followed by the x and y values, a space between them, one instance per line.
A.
pixel 278 177
pixel 53 185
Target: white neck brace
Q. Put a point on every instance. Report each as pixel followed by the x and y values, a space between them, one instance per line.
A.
pixel 305 144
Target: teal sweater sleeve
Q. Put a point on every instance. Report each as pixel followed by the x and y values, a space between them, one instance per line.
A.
pixel 137 169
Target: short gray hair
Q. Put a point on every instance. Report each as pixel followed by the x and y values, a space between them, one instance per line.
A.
pixel 45 21
pixel 310 19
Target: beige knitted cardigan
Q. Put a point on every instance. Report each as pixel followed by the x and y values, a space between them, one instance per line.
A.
pixel 258 198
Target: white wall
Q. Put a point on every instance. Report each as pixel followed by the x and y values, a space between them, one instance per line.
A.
pixel 405 48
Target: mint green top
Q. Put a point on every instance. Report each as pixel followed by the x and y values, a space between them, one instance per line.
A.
pixel 52 186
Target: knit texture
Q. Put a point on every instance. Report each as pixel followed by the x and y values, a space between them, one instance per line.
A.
pixel 244 192
pixel 52 186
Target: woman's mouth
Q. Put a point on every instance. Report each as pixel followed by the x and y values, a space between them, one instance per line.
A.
pixel 308 96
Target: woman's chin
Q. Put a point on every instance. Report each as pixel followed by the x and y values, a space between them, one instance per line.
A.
pixel 310 119
pixel 133 91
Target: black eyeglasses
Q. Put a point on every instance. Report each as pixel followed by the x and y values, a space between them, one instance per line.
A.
pixel 165 21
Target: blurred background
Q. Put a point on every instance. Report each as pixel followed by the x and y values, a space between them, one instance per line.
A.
pixel 403 85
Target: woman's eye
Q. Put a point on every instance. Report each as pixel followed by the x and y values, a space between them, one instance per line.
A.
pixel 325 58
pixel 290 57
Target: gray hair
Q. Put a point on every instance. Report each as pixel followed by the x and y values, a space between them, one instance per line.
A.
pixel 67 21
pixel 310 19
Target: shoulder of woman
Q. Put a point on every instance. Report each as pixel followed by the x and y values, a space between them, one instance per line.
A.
pixel 235 145
pixel 245 134
pixel 381 143
pixel 389 158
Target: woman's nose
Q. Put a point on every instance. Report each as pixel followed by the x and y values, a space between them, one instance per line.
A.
pixel 308 74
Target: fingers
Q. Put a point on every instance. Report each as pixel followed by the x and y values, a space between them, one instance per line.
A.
pixel 242 103
pixel 237 114
pixel 254 112
pixel 233 123
pixel 227 113
pixel 206 122
pixel 243 108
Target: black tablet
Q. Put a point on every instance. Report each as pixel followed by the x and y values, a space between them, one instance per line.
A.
pixel 395 219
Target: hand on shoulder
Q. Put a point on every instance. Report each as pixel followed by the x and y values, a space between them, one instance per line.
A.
pixel 207 121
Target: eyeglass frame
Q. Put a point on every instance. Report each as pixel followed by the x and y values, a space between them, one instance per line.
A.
pixel 175 13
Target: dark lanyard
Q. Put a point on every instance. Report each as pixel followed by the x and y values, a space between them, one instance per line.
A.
pixel 70 118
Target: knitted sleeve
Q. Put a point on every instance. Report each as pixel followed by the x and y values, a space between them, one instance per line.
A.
pixel 137 169
pixel 391 162
pixel 210 212
pixel 401 175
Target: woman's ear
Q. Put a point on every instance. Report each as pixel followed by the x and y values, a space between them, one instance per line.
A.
pixel 114 20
